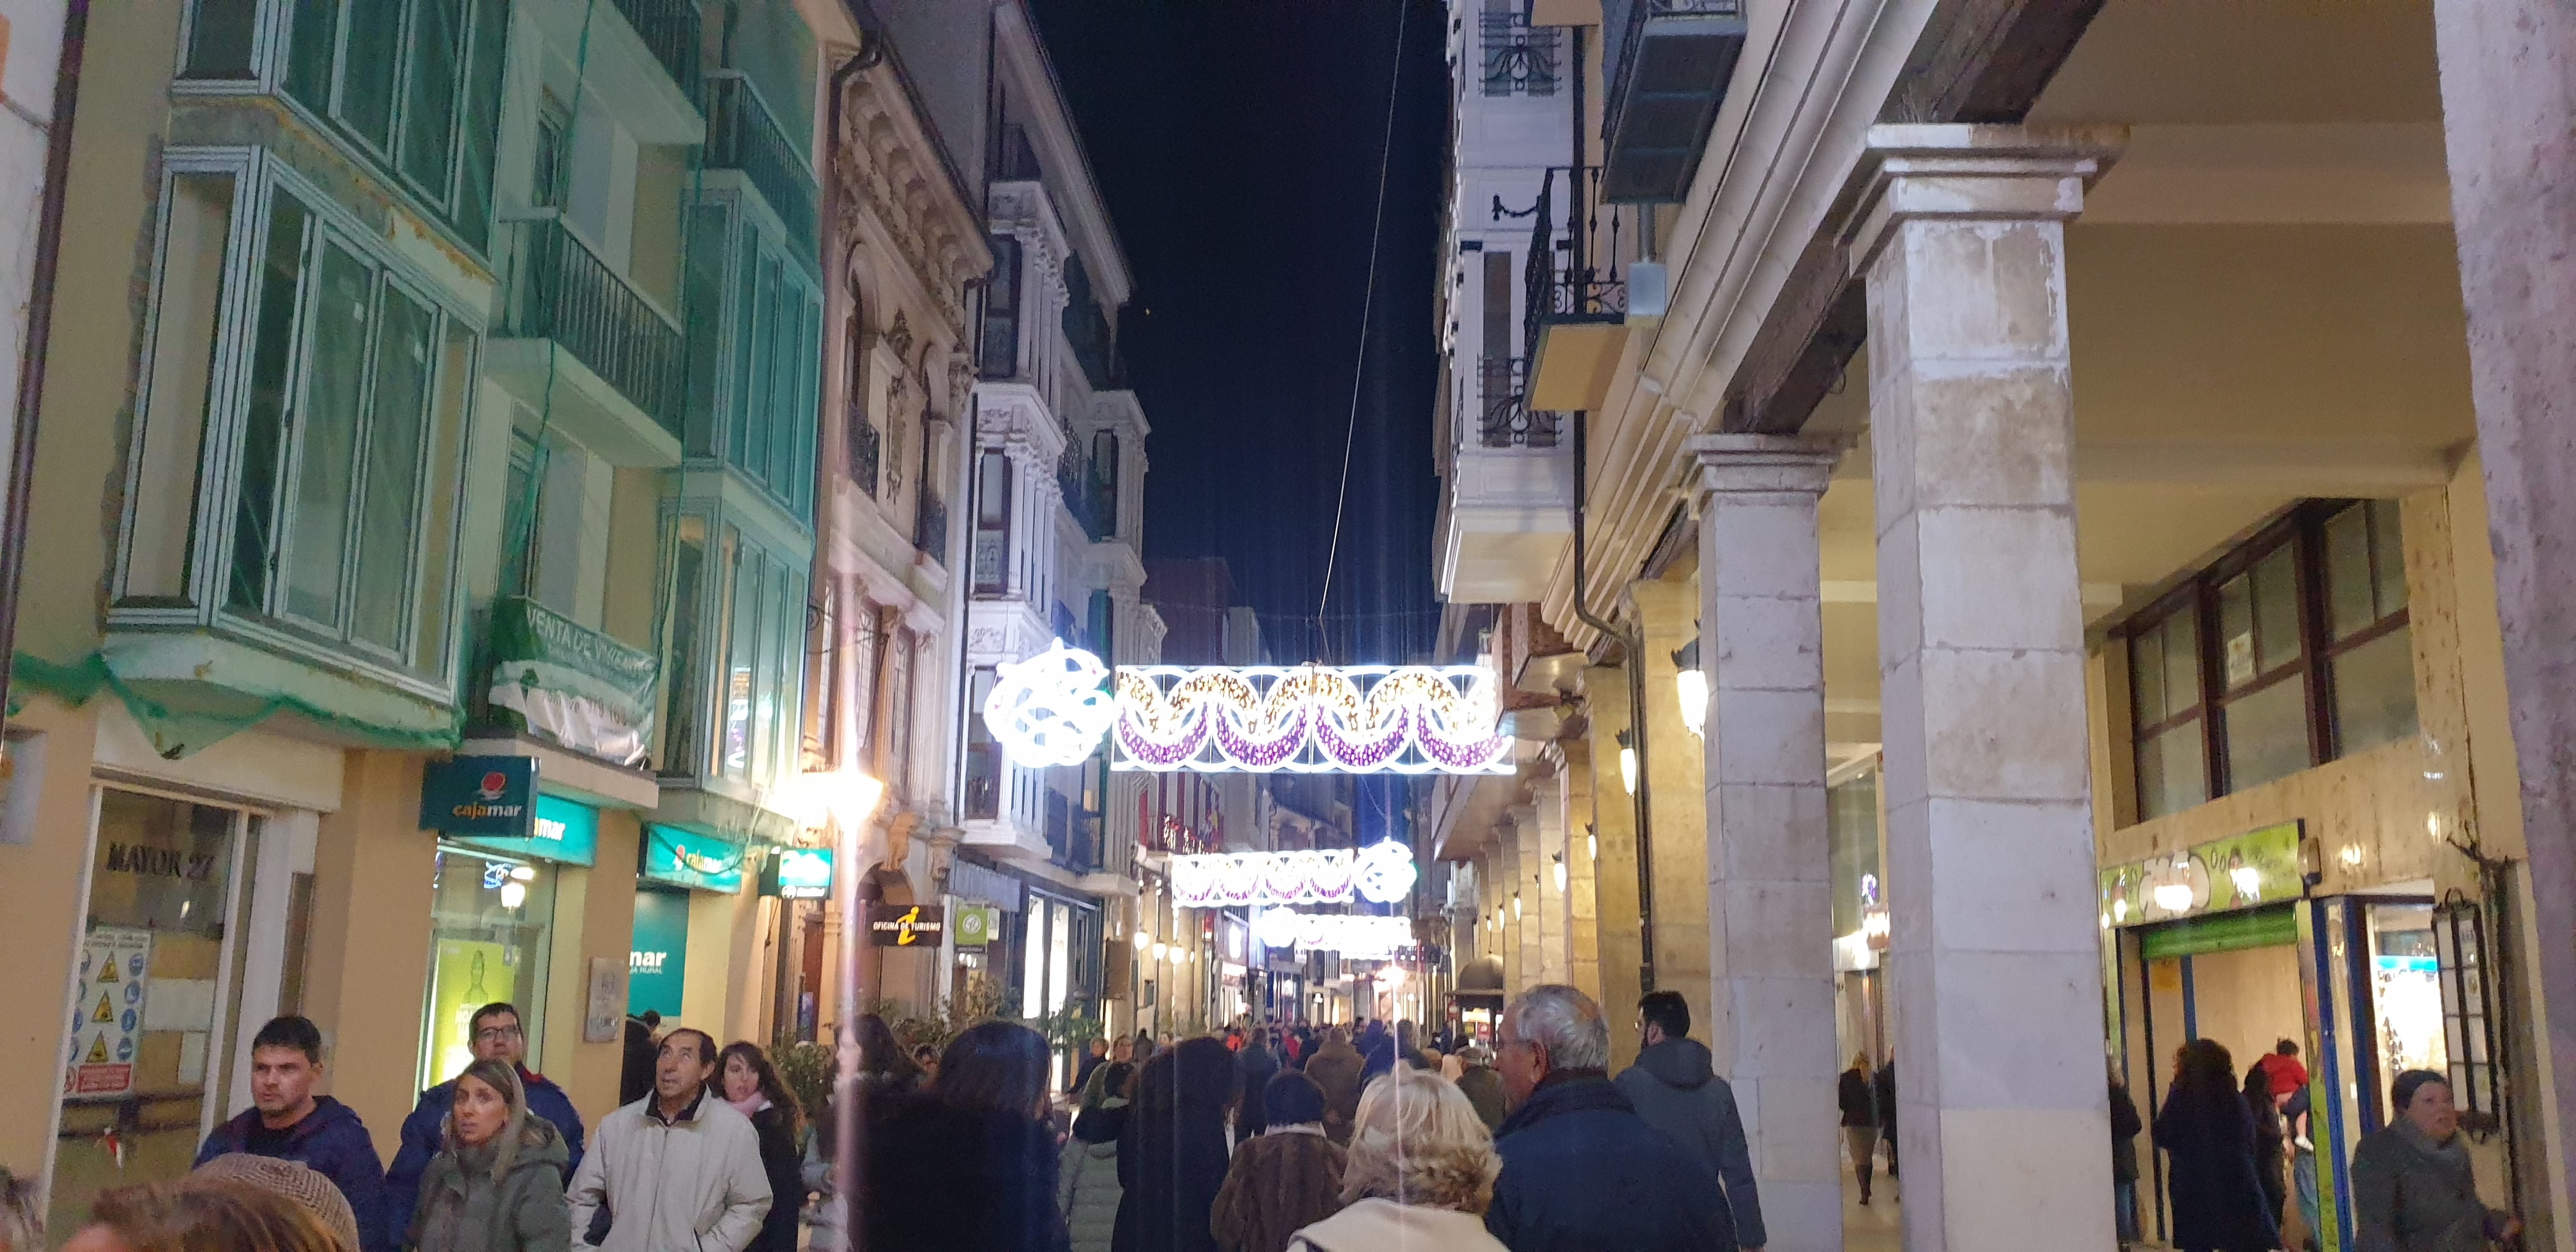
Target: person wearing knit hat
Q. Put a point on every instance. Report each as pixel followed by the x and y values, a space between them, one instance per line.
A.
pixel 309 1190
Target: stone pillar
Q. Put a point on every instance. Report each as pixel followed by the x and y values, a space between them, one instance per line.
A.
pixel 1507 878
pixel 1673 768
pixel 1556 934
pixel 1582 906
pixel 1960 230
pixel 2508 87
pixel 1528 872
pixel 1614 870
pixel 1771 1020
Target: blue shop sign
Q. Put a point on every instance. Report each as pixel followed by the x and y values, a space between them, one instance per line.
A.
pixel 685 858
pixel 798 874
pixel 492 797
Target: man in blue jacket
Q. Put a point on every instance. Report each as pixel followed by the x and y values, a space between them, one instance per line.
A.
pixel 1581 1171
pixel 497 1036
pixel 287 1121
pixel 1675 1086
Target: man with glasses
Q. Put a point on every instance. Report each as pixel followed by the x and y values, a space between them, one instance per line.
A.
pixel 497 1036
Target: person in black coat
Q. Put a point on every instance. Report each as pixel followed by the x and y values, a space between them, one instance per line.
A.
pixel 1882 1090
pixel 746 1080
pixel 1173 1157
pixel 1257 1063
pixel 970 1162
pixel 1855 1096
pixel 2208 1137
pixel 2271 1141
pixel 635 1071
pixel 1581 1171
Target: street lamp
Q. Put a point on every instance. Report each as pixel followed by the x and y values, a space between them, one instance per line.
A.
pixel 1692 684
pixel 1628 760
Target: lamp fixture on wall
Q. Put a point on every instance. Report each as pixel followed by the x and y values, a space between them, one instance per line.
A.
pixel 1559 858
pixel 1628 760
pixel 1692 684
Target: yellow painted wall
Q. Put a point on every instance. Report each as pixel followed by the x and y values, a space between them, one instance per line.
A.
pixel 368 964
pixel 594 917
pixel 723 998
pixel 40 923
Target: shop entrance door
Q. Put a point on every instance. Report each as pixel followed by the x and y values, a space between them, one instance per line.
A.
pixel 157 998
pixel 2229 977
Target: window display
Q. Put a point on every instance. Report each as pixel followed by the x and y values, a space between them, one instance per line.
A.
pixel 2406 990
pixel 491 935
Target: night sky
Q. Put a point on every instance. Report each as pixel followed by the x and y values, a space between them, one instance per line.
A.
pixel 1237 144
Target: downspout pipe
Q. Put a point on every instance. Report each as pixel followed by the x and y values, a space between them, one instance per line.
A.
pixel 1632 648
pixel 40 323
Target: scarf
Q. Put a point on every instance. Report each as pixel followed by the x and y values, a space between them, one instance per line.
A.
pixel 756 1103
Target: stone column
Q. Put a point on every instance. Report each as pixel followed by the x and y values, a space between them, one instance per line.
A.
pixel 1960 230
pixel 1556 934
pixel 1771 1019
pixel 2508 87
pixel 1673 767
pixel 1528 872
pixel 1582 906
pixel 1614 871
pixel 1507 877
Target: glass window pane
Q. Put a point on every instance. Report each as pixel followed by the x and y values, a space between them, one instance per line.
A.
pixel 310 53
pixel 684 668
pixel 707 324
pixel 2182 660
pixel 482 120
pixel 2147 676
pixel 440 476
pixel 2374 692
pixel 2236 630
pixel 491 938
pixel 389 519
pixel 2267 735
pixel 743 656
pixel 272 358
pixel 219 35
pixel 327 435
pixel 2388 547
pixel 2276 608
pixel 160 553
pixel 429 116
pixel 367 82
pixel 2348 585
pixel 2173 771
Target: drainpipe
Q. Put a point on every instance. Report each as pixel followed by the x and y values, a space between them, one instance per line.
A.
pixel 1632 644
pixel 40 320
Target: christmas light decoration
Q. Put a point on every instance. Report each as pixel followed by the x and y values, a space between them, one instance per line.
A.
pixel 1359 719
pixel 1050 709
pixel 1382 874
pixel 1356 936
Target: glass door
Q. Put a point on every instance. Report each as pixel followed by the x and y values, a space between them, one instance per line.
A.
pixel 154 1013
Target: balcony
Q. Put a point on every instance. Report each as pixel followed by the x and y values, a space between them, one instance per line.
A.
pixel 743 135
pixel 1575 279
pixel 1086 496
pixel 866 449
pixel 1669 63
pixel 1506 419
pixel 1520 59
pixel 930 528
pixel 582 324
pixel 671 30
pixel 554 679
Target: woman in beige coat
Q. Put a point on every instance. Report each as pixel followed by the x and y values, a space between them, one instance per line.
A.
pixel 1421 1171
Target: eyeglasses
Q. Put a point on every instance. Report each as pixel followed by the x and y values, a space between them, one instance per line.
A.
pixel 495 1034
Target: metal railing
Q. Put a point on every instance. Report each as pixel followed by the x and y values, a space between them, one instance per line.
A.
pixel 1520 59
pixel 743 135
pixel 930 527
pixel 564 292
pixel 672 30
pixel 1086 495
pixel 1505 419
pixel 1623 27
pixel 1577 265
pixel 866 446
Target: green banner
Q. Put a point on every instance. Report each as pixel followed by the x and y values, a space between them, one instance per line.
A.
pixel 2244 871
pixel 556 678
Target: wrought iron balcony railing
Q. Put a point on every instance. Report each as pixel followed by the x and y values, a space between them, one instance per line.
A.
pixel 743 135
pixel 1506 419
pixel 1520 59
pixel 866 446
pixel 1579 253
pixel 930 527
pixel 672 29
pixel 563 291
pixel 1086 495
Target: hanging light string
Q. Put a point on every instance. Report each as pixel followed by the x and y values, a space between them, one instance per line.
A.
pixel 1368 301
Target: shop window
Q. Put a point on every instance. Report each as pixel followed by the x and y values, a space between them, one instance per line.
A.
pixel 2406 993
pixel 491 932
pixel 2288 652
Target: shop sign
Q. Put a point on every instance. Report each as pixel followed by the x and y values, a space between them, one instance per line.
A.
pixel 975 925
pixel 906 925
pixel 798 874
pixel 564 831
pixel 107 1013
pixel 562 681
pixel 685 858
pixel 490 797
pixel 2244 871
pixel 657 959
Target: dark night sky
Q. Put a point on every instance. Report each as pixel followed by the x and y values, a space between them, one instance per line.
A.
pixel 1237 142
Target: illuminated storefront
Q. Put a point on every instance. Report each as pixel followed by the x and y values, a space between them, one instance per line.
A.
pixel 492 903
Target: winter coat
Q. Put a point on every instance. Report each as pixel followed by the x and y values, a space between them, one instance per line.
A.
pixel 1882 1094
pixel 942 1178
pixel 334 1143
pixel 692 1183
pixel 1582 1171
pixel 424 1133
pixel 635 1068
pixel 1484 1089
pixel 2208 1138
pixel 1678 1092
pixel 461 1208
pixel 1257 1065
pixel 1086 1189
pixel 1170 1175
pixel 1335 1067
pixel 1286 1179
pixel 1858 1102
pixel 1377 1223
pixel 2124 1135
pixel 2411 1194
pixel 1107 1081
pixel 785 1168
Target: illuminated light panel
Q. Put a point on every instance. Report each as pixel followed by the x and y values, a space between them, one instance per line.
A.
pixel 1356 936
pixel 1382 874
pixel 1358 719
pixel 1049 709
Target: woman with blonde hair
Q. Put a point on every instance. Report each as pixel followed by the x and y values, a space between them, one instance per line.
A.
pixel 199 1215
pixel 1422 1169
pixel 498 1183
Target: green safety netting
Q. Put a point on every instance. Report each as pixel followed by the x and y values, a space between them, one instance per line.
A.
pixel 182 718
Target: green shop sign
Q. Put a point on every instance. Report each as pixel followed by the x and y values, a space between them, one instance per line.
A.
pixel 489 797
pixel 566 831
pixel 657 961
pixel 683 858
pixel 797 874
pixel 558 679
pixel 2251 870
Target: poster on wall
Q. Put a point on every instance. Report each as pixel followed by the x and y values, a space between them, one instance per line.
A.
pixel 107 1015
pixel 466 974
pixel 657 960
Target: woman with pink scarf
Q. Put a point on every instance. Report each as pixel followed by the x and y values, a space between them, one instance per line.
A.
pixel 749 1083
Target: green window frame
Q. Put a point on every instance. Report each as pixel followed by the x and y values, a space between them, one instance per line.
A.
pixel 755 353
pixel 735 631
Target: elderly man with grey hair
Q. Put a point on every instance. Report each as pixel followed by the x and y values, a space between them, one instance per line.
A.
pixel 1581 1170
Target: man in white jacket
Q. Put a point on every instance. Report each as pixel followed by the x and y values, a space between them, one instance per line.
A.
pixel 677 1171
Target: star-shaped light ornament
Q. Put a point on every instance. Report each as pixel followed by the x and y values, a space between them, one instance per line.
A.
pixel 1051 709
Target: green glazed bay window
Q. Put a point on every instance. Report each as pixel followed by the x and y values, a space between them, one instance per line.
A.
pixel 316 395
pixel 735 635
pixel 754 353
